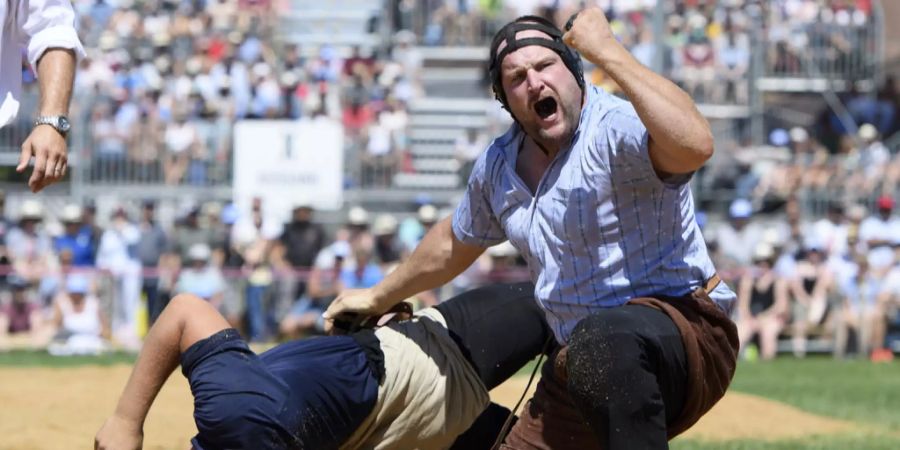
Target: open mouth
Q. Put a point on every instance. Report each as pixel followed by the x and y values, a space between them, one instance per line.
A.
pixel 545 107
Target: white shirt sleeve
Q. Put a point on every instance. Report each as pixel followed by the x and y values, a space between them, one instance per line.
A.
pixel 46 24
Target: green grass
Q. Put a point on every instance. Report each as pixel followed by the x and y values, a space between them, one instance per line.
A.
pixel 30 358
pixel 831 442
pixel 858 391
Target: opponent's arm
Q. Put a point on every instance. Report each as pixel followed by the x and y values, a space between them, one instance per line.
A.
pixel 438 259
pixel 186 320
pixel 680 138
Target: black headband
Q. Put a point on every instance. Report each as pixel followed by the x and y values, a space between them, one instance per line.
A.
pixel 508 34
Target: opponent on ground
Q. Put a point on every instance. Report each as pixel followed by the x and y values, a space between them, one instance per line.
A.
pixel 416 383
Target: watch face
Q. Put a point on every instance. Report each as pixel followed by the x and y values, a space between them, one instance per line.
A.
pixel 63 124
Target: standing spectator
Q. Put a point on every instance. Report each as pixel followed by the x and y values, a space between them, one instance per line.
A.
pixel 151 245
pixel 46 29
pixel 299 243
pixel 189 232
pixel 253 241
pixel 89 225
pixel 388 249
pixel 75 238
pixel 117 254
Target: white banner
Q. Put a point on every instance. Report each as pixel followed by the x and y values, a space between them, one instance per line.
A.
pixel 288 163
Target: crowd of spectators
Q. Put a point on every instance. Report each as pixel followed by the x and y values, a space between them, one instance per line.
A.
pixel 796 276
pixel 705 46
pixel 78 287
pixel 165 80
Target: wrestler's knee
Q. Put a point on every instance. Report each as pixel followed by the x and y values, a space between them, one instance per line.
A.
pixel 603 351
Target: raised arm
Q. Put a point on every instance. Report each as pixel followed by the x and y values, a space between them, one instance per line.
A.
pixel 438 259
pixel 186 320
pixel 680 138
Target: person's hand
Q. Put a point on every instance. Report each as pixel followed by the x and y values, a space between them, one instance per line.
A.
pixel 350 305
pixel 119 434
pixel 50 159
pixel 590 34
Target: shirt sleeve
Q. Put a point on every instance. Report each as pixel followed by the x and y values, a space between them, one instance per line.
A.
pixel 628 144
pixel 46 24
pixel 474 222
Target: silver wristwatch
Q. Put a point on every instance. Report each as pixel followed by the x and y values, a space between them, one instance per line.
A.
pixel 60 123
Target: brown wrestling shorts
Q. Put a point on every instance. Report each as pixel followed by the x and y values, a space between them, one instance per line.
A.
pixel 550 420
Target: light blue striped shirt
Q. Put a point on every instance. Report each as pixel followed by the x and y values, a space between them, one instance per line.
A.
pixel 601 229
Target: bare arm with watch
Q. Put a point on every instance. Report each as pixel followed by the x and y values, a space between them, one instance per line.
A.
pixel 46 31
pixel 47 141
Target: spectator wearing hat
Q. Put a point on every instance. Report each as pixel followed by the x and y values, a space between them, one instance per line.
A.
pixel 74 239
pixel 740 234
pixel 21 317
pixel 880 232
pixel 81 327
pixel 30 248
pixel 364 273
pixel 117 254
pixel 413 230
pixel 356 225
pixel 388 250
pixel 151 246
pixel 200 278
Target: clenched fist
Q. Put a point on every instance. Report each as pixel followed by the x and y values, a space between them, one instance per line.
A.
pixel 590 34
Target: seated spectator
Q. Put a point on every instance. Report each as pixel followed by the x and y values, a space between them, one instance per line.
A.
pixel 811 286
pixel 859 311
pixel 324 284
pixel 886 311
pixel 365 272
pixel 762 303
pixel 81 327
pixel 20 319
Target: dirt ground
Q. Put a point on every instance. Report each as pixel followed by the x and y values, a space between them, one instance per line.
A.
pixel 50 408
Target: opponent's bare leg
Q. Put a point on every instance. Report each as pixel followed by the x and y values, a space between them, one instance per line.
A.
pixel 186 320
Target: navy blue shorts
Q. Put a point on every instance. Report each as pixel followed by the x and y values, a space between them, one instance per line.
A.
pixel 306 394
